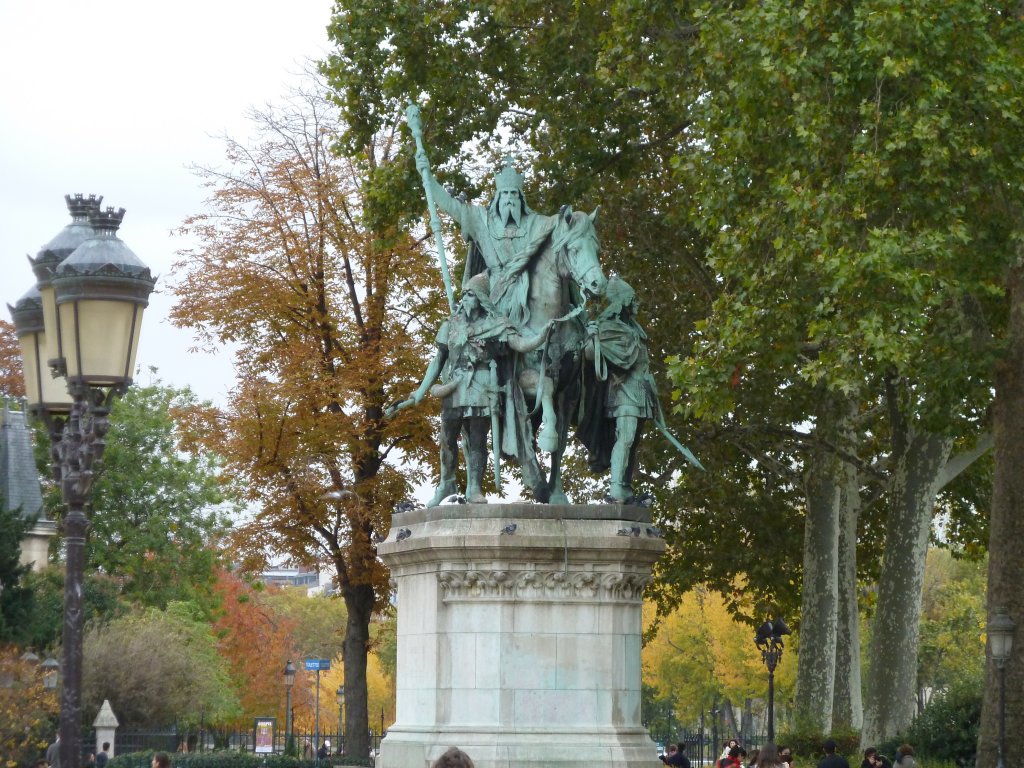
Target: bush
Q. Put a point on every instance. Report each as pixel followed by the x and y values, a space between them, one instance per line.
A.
pixel 228 759
pixel 806 741
pixel 947 730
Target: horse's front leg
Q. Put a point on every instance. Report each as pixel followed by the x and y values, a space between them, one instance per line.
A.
pixel 555 482
pixel 543 389
pixel 547 438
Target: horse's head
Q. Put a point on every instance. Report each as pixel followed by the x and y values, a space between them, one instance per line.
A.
pixel 575 241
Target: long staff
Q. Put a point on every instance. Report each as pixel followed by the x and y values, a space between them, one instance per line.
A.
pixel 412 117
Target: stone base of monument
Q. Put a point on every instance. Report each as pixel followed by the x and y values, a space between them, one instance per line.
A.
pixel 519 634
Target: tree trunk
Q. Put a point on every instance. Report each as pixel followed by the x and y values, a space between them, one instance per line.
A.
pixel 1006 536
pixel 816 661
pixel 892 671
pixel 359 600
pixel 847 705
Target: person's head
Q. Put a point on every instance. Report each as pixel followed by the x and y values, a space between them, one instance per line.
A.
pixel 829 747
pixel 754 755
pixel 476 295
pixel 906 749
pixel 785 754
pixel 106 745
pixel 509 200
pixel 453 758
pixel 681 746
pixel 622 302
pixel 768 756
pixel 735 751
pixel 161 760
pixel 327 743
pixel 732 742
pixel 672 749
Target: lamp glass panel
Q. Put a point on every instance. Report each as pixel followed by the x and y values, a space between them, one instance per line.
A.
pixel 31 346
pixel 1002 643
pixel 56 397
pixel 50 319
pixel 99 340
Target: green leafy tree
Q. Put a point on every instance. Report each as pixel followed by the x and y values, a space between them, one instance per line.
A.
pixel 855 204
pixel 155 504
pixel 318 621
pixel 15 596
pixel 43 627
pixel 157 667
pixel 952 623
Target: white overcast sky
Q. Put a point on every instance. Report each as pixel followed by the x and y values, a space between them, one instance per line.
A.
pixel 119 98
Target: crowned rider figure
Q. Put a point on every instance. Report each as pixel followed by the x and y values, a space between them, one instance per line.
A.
pixel 504 236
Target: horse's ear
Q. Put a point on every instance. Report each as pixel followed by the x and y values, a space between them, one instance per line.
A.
pixel 593 216
pixel 566 213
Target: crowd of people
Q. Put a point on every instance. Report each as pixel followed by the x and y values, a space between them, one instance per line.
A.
pixel 733 756
pixel 770 755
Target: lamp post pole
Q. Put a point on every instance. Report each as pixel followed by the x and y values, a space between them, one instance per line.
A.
pixel 1000 637
pixel 714 729
pixel 341 718
pixel 81 320
pixel 769 641
pixel 289 681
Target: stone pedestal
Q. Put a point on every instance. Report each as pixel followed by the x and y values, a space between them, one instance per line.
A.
pixel 519 635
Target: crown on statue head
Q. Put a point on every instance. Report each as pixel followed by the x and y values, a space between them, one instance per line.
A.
pixel 508 177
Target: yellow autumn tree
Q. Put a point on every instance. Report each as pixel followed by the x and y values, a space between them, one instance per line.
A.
pixel 700 654
pixel 28 710
pixel 331 318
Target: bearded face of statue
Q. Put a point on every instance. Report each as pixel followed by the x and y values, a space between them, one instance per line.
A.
pixel 510 206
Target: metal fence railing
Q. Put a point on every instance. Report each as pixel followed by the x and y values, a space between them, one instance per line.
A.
pixel 208 739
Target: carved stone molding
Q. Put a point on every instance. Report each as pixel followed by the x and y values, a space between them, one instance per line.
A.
pixel 542 585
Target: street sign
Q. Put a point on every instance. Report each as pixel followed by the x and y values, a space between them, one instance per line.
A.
pixel 318 665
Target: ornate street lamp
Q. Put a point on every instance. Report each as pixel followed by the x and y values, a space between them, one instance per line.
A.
pixel 289 681
pixel 341 718
pixel 1000 642
pixel 769 641
pixel 51 673
pixel 81 322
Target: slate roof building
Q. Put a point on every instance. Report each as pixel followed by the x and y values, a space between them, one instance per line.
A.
pixel 19 482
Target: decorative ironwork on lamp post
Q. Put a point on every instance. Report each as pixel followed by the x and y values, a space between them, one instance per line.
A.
pixel 1000 641
pixel 769 641
pixel 81 321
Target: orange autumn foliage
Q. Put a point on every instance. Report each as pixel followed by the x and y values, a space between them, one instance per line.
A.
pixel 330 321
pixel 257 643
pixel 11 382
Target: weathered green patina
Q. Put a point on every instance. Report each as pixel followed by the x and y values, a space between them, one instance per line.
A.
pixel 512 353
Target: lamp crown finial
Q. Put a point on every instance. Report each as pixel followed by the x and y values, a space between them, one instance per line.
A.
pixel 108 221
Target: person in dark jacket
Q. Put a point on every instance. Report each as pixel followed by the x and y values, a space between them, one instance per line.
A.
pixel 676 755
pixel 831 759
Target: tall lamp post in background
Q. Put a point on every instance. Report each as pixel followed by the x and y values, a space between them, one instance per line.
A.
pixel 769 641
pixel 289 681
pixel 341 718
pixel 1000 640
pixel 81 321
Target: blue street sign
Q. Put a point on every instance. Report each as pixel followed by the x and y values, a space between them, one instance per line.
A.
pixel 318 665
